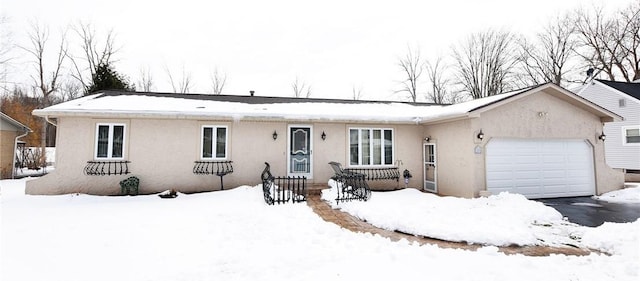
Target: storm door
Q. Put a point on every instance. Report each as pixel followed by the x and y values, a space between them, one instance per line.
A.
pixel 430 167
pixel 300 150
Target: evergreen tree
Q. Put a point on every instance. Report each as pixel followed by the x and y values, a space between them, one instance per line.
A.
pixel 106 78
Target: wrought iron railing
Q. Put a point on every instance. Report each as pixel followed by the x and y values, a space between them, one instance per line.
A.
pixel 382 173
pixel 352 187
pixel 106 168
pixel 282 190
pixel 217 168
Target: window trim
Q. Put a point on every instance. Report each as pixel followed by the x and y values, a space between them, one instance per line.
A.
pixel 624 136
pixel 382 147
pixel 213 143
pixel 110 141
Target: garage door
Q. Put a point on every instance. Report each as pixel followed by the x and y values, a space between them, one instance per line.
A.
pixel 540 168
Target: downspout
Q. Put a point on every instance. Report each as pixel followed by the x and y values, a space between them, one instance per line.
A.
pixel 15 148
pixel 46 117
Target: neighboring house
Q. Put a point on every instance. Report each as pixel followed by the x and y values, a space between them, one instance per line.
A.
pixel 10 132
pixel 540 141
pixel 622 146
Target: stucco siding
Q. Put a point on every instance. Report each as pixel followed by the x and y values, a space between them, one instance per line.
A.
pixel 162 154
pixel 543 116
pixel 454 157
pixel 618 154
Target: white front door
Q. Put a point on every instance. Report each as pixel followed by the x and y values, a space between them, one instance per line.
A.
pixel 300 148
pixel 430 167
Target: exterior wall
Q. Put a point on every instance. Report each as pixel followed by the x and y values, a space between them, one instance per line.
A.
pixel 454 157
pixel 618 154
pixel 461 172
pixel 7 151
pixel 162 153
pixel 559 120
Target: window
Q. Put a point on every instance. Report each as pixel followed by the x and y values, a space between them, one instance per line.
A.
pixel 110 141
pixel 214 142
pixel 631 135
pixel 370 147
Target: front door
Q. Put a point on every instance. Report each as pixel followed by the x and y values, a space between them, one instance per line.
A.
pixel 300 159
pixel 430 167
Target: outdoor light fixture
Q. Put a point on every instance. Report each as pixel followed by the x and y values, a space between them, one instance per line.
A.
pixel 275 135
pixel 427 139
pixel 323 136
pixel 602 137
pixel 480 135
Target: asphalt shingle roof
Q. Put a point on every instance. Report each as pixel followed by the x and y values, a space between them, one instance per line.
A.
pixel 632 89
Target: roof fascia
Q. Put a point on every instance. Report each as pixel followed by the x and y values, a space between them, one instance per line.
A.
pixel 561 93
pixel 15 122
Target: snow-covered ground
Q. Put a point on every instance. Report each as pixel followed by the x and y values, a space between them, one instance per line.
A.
pixel 630 194
pixel 500 220
pixel 234 235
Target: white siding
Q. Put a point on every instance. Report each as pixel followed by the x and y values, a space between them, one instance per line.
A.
pixel 617 155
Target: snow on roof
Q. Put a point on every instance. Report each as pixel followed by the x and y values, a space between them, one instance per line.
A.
pixel 233 107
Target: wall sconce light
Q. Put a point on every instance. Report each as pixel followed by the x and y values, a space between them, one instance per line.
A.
pixel 480 135
pixel 323 136
pixel 426 139
pixel 274 135
pixel 602 137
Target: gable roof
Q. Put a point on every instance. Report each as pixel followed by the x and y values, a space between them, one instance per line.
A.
pixel 15 123
pixel 475 107
pixel 192 106
pixel 631 89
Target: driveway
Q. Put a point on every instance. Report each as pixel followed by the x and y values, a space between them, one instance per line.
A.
pixel 590 212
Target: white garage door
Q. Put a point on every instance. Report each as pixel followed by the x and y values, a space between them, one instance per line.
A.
pixel 540 168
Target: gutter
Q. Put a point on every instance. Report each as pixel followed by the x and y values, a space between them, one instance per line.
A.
pixel 15 147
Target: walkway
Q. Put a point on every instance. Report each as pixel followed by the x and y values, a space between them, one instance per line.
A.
pixel 349 222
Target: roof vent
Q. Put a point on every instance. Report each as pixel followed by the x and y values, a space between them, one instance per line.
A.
pixel 252 92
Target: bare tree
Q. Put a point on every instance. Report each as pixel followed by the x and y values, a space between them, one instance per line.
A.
pixel 611 44
pixel 485 63
pixel 180 84
pixel 301 89
pixel 70 90
pixel 218 80
pixel 93 53
pixel 440 83
pixel 6 46
pixel 546 59
pixel 630 40
pixel 45 79
pixel 412 66
pixel 145 83
pixel 356 93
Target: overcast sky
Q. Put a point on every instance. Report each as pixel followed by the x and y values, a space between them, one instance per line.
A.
pixel 265 45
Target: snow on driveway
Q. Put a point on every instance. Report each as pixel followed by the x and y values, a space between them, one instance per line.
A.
pixel 234 235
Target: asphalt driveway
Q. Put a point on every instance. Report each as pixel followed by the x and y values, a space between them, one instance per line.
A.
pixel 590 212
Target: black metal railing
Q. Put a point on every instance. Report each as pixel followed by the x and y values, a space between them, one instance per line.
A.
pixel 106 168
pixel 382 173
pixel 282 189
pixel 352 187
pixel 218 168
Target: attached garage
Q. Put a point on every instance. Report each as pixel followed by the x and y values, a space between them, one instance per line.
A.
pixel 539 168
